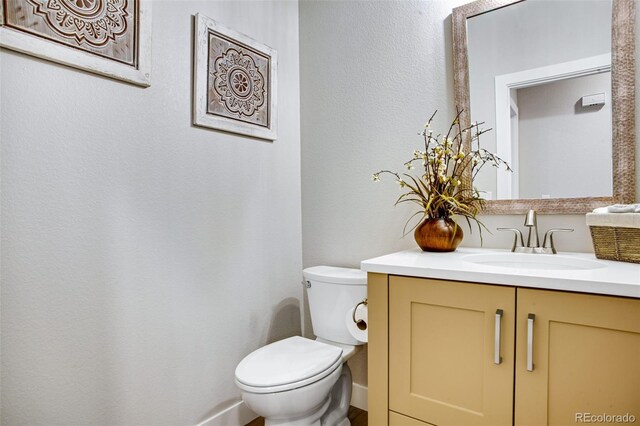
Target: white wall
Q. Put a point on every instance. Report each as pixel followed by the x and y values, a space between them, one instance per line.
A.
pixel 142 257
pixel 371 73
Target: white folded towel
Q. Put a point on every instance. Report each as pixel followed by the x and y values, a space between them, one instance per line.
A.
pixel 624 220
pixel 619 208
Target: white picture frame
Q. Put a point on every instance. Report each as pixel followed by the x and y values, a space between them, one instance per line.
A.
pixel 138 73
pixel 248 108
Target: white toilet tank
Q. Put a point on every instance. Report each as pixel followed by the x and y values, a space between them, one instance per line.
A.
pixel 332 293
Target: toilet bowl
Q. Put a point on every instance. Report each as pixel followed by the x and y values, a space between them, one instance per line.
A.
pixel 299 381
pixel 290 382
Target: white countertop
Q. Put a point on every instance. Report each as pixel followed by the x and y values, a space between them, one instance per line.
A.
pixel 610 278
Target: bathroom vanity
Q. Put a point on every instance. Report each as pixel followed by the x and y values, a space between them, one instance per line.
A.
pixel 489 337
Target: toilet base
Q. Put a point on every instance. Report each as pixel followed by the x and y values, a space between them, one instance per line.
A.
pixel 340 399
pixel 312 419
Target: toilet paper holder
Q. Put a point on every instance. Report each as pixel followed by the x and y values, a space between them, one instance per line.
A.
pixel 359 323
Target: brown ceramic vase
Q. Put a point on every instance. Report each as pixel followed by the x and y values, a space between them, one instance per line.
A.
pixel 438 235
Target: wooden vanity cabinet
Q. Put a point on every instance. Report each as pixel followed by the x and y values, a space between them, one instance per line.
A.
pixel 433 357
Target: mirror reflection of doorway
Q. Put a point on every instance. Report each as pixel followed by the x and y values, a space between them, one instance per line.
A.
pixel 557 144
pixel 562 148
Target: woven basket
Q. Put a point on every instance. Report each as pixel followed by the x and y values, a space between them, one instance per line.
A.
pixel 616 243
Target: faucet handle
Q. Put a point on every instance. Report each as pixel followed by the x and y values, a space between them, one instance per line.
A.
pixel 517 234
pixel 548 236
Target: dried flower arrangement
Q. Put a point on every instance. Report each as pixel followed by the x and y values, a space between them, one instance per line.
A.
pixel 439 191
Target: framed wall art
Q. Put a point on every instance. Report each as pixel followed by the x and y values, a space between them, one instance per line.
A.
pixel 107 37
pixel 235 81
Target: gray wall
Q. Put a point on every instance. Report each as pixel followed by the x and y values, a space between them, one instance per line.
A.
pixel 142 257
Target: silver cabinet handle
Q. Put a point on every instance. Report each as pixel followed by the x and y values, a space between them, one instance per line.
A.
pixel 530 320
pixel 497 359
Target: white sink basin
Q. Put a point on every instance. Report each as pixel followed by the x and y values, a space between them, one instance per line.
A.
pixel 532 261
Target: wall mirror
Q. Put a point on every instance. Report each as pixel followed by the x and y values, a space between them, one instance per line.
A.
pixel 556 83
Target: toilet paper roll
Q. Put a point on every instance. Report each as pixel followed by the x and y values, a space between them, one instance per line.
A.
pixel 361 334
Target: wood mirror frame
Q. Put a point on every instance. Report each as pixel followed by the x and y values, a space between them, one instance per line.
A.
pixel 623 109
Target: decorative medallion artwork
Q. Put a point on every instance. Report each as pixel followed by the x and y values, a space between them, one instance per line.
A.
pixel 97 22
pixel 235 79
pixel 109 37
pixel 238 84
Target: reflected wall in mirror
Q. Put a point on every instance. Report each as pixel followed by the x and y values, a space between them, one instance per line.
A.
pixel 555 82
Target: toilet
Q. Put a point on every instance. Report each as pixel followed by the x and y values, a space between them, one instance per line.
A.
pixel 302 382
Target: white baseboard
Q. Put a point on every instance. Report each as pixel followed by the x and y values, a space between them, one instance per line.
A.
pixel 237 414
pixel 359 395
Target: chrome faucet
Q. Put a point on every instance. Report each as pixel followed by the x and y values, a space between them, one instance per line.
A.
pixel 533 243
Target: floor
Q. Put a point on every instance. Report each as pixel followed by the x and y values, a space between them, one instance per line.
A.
pixel 357 417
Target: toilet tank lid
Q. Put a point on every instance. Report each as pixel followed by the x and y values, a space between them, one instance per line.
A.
pixel 334 274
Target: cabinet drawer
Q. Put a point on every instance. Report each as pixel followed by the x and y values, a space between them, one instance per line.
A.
pixel 396 419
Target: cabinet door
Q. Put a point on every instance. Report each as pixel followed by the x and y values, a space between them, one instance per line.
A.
pixel 442 351
pixel 586 358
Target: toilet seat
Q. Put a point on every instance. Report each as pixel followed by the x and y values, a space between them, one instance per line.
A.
pixel 287 364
